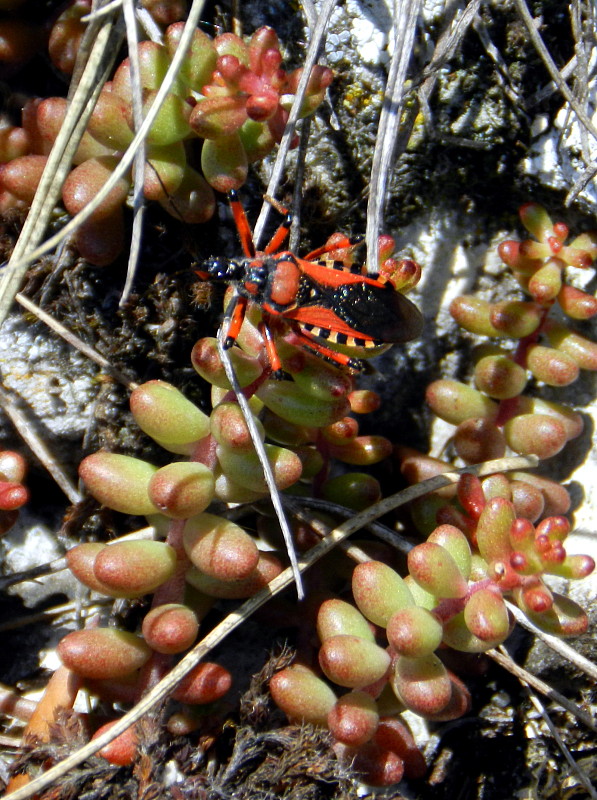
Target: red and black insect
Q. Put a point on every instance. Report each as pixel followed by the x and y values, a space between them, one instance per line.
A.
pixel 319 298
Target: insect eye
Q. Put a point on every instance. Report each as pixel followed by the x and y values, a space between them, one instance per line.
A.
pixel 220 269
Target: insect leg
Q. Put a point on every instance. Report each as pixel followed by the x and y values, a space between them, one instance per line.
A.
pixel 307 341
pixel 279 236
pixel 337 242
pixel 242 224
pixel 271 350
pixel 235 313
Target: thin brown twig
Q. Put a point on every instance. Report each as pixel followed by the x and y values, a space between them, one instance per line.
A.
pixel 74 340
pixel 580 773
pixel 551 67
pixel 404 23
pixel 139 161
pixel 557 645
pixel 503 658
pixel 37 446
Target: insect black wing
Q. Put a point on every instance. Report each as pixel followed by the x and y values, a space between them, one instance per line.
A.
pixel 378 311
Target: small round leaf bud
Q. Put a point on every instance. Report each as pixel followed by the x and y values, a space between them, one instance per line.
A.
pixel 364 401
pixel 85 181
pixel 486 616
pixel 108 122
pixel 354 718
pixel 515 318
pixel 537 221
pixel 551 367
pixel 379 591
pixel 205 683
pixel 459 705
pixel 459 637
pixel 103 653
pixel 200 61
pixel 456 402
pixel 302 696
pixel 289 401
pixel 207 363
pixel 422 684
pixel 135 567
pixel 268 568
pixel 414 632
pixel 378 767
pixel 539 434
pixel 165 414
pixel 434 569
pixel 12 495
pixel 473 314
pixel 456 543
pixel 356 490
pixel 21 176
pixel 499 377
pixel 341 432
pixel 182 489
pixel 170 628
pixel 13 466
pixel 556 497
pixel 353 662
pixel 119 482
pixel 336 617
pixel 528 500
pixel 362 451
pixel 224 162
pixel 315 377
pixel 493 529
pixel 164 171
pixel 571 420
pixel 564 618
pixel 245 468
pixel 478 440
pixel 80 560
pixel 229 428
pixel 581 349
pixel 220 548
pixel 546 283
pixel 122 750
pixel 394 735
pixel 577 304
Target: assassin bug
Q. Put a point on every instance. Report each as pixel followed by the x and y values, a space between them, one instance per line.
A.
pixel 318 297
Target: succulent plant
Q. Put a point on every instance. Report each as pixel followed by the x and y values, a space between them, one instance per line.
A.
pixel 233 95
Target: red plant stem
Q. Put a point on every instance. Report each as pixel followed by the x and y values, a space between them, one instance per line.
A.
pixel 170 592
pixel 204 452
pixel 449 607
pixel 173 590
pixel 14 706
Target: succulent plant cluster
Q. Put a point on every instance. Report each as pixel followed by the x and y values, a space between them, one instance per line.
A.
pixel 381 647
pixel 308 422
pixel 13 494
pixel 24 34
pixel 231 95
pixel 496 414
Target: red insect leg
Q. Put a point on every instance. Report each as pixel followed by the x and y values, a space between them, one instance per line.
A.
pixel 270 348
pixel 242 224
pixel 279 236
pixel 236 320
pixel 340 245
pixel 306 340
